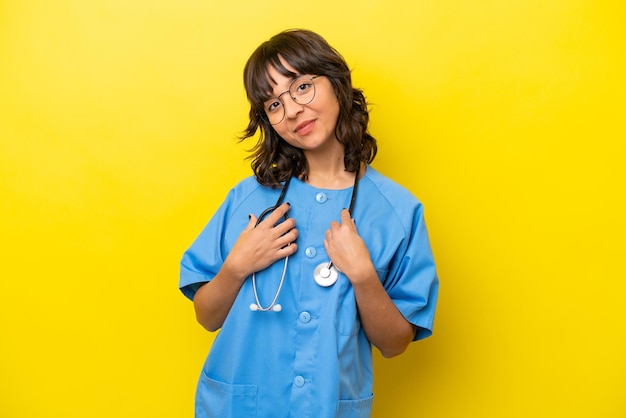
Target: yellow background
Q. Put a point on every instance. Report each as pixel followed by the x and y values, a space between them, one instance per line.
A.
pixel 118 125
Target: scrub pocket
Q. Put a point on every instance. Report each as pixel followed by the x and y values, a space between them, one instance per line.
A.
pixel 223 400
pixel 360 408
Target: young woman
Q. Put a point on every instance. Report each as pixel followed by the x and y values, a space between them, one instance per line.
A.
pixel 338 262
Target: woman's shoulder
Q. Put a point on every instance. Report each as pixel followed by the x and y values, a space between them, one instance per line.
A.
pixel 247 188
pixel 393 202
pixel 247 184
pixel 392 191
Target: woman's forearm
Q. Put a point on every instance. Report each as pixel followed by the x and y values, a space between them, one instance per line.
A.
pixel 214 299
pixel 383 323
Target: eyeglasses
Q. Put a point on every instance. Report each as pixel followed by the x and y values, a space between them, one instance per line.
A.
pixel 301 90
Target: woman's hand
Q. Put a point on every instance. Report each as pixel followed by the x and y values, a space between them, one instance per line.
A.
pixel 255 249
pixel 347 250
pixel 260 246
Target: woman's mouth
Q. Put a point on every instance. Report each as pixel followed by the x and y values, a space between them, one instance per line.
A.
pixel 305 127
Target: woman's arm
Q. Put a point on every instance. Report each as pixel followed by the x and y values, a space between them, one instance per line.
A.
pixel 383 323
pixel 255 249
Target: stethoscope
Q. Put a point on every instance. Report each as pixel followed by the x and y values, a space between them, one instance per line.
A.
pixel 325 274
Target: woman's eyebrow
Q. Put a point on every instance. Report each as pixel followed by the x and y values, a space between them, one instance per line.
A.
pixel 292 77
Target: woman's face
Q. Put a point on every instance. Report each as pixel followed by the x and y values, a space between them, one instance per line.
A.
pixel 310 126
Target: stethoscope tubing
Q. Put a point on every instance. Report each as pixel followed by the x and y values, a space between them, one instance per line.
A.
pixel 279 202
pixel 273 306
pixel 326 279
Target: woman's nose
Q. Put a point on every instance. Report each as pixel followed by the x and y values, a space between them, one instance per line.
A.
pixel 292 108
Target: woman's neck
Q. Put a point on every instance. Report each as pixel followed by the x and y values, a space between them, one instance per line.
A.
pixel 327 169
pixel 331 174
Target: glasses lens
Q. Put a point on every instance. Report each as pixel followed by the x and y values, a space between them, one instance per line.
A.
pixel 274 111
pixel 301 91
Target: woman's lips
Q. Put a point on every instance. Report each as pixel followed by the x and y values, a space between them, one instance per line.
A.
pixel 305 127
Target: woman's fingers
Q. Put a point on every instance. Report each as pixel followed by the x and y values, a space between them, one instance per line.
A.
pixel 278 213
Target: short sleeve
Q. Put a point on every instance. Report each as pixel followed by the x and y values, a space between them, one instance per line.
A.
pixel 204 258
pixel 412 281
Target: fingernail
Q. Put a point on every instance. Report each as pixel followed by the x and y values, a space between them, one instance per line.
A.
pixel 249 217
pixel 288 203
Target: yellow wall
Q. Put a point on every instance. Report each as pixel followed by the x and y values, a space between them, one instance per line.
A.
pixel 117 142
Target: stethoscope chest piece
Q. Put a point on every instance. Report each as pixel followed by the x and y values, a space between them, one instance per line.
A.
pixel 325 276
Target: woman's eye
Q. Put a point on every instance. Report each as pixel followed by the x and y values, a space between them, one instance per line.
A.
pixel 272 106
pixel 303 87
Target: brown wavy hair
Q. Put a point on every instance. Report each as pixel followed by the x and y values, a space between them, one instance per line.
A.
pixel 273 159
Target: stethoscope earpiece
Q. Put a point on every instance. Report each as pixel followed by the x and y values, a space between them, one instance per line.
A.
pixel 276 307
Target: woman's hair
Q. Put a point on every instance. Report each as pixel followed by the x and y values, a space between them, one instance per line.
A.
pixel 273 159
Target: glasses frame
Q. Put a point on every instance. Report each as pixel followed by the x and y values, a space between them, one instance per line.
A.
pixel 263 115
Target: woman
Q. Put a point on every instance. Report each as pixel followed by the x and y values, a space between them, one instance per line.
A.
pixel 341 260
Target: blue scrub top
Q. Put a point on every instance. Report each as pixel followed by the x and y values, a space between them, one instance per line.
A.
pixel 312 359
